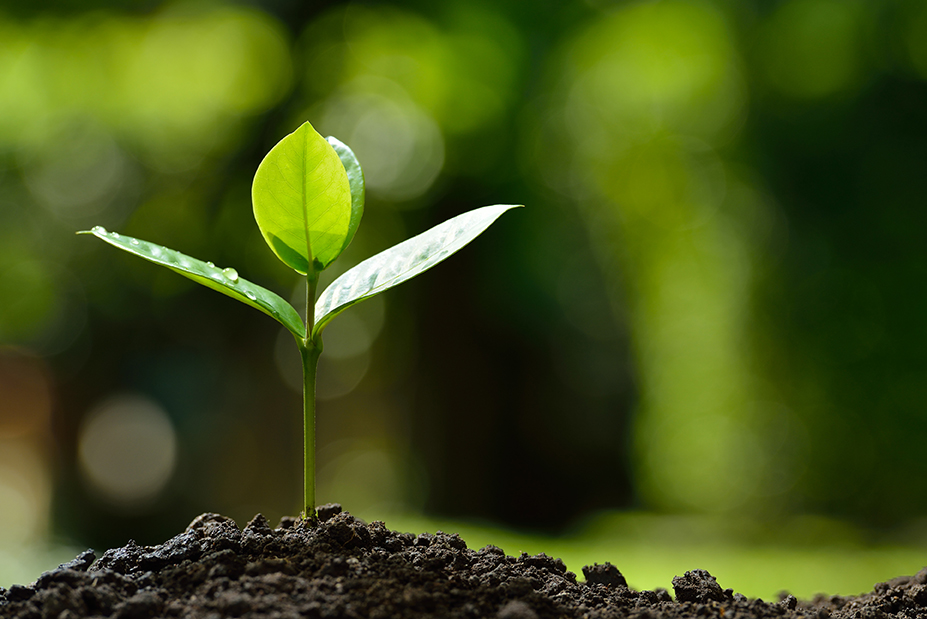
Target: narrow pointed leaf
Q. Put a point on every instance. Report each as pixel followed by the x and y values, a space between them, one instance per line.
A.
pixel 302 201
pixel 226 281
pixel 355 181
pixel 402 262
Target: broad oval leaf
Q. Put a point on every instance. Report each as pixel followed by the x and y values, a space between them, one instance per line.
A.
pixel 355 181
pixel 402 262
pixel 226 281
pixel 302 201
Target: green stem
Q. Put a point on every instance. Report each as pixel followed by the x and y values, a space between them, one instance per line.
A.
pixel 310 357
pixel 309 351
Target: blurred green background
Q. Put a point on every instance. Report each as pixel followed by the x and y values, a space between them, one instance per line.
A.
pixel 713 309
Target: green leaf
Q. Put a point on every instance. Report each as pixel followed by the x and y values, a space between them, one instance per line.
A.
pixel 302 201
pixel 226 281
pixel 356 182
pixel 402 262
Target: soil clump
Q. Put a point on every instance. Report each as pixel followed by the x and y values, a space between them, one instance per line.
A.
pixel 342 567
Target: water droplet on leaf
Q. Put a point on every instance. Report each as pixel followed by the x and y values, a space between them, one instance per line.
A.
pixel 231 274
pixel 135 241
pixel 211 265
pixel 98 230
pixel 250 295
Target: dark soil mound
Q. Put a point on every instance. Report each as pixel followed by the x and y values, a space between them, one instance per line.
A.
pixel 342 567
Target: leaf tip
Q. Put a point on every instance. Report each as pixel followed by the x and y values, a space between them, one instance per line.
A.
pixel 96 231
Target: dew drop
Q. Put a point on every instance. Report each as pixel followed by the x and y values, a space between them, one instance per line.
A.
pixel 210 265
pixel 98 230
pixel 135 241
pixel 231 274
pixel 250 295
pixel 115 235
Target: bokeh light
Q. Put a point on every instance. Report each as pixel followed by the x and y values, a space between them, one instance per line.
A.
pixel 653 67
pixel 25 491
pixel 169 84
pixel 127 450
pixel 815 48
pixel 365 475
pixel 401 145
pixel 347 345
pixel 79 173
pixel 25 474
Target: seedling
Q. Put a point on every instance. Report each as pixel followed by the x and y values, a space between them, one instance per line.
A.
pixel 308 198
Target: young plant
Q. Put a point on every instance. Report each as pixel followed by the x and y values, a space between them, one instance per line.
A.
pixel 308 198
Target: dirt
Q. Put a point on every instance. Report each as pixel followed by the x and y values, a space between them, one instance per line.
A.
pixel 342 567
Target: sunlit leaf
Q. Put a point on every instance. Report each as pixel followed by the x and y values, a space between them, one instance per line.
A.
pixel 227 281
pixel 402 262
pixel 302 201
pixel 356 182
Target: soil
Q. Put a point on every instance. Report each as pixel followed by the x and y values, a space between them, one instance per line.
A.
pixel 341 567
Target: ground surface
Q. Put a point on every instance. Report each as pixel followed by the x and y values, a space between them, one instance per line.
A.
pixel 342 567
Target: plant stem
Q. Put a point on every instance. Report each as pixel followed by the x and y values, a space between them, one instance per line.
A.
pixel 310 358
pixel 309 351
